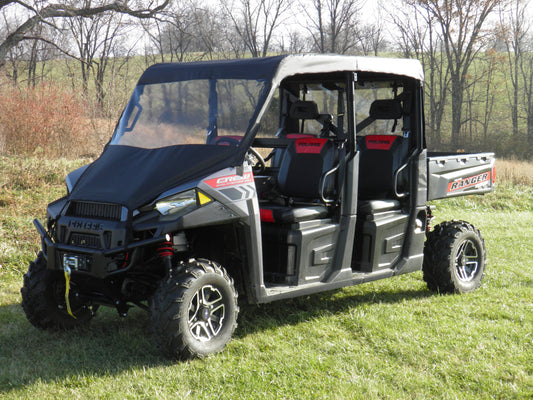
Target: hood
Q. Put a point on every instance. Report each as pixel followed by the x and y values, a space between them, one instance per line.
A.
pixel 134 176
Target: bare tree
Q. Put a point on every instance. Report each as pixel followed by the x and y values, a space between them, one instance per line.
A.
pixel 154 51
pixel 255 21
pixel 39 50
pixel 41 12
pixel 18 58
pixel 15 56
pixel 461 24
pixel 526 69
pixel 480 93
pixel 371 38
pixel 418 37
pixel 186 31
pixel 371 35
pixel 332 24
pixel 212 30
pixel 191 30
pixel 178 38
pixel 95 39
pixel 294 42
pixel 512 31
pixel 492 62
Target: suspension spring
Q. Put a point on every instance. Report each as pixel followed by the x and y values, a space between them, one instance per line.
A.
pixel 165 252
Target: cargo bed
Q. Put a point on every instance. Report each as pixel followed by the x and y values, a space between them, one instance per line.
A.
pixel 460 174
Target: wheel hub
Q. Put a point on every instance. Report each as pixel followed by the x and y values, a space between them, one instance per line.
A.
pixel 205 314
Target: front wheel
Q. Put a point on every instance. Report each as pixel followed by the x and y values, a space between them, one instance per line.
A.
pixel 194 313
pixel 43 299
pixel 454 258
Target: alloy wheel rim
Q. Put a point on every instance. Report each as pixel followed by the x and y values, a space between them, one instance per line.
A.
pixel 206 313
pixel 467 261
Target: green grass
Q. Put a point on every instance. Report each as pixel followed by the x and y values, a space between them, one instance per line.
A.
pixel 388 339
pixel 27 185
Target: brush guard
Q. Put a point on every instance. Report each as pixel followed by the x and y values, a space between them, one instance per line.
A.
pixel 98 259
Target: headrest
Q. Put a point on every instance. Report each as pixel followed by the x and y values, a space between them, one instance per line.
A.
pixel 386 109
pixel 304 110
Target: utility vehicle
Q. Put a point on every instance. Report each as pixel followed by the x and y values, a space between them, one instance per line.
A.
pixel 265 179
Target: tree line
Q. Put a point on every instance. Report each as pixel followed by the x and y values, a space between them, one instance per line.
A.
pixel 477 54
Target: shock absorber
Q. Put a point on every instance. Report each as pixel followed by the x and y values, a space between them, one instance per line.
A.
pixel 165 251
pixel 429 218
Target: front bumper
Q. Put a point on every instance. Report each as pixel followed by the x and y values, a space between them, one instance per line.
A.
pixel 98 263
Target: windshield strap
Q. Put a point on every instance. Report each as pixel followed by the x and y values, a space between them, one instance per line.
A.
pixel 341 136
pixel 213 110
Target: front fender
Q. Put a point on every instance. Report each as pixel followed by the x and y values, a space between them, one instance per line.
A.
pixel 73 177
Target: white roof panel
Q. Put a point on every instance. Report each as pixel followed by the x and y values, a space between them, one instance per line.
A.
pixel 323 63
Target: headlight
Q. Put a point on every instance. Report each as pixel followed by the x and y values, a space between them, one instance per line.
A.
pixel 181 202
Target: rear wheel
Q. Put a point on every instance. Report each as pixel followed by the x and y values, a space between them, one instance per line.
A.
pixel 194 313
pixel 454 258
pixel 43 299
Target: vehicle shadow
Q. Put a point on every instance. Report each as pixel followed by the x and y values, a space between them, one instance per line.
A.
pixel 110 344
pixel 253 318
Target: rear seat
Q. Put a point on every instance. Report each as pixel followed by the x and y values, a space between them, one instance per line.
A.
pixel 380 162
pixel 381 156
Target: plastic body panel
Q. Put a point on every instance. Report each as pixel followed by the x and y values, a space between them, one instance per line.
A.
pixel 381 241
pixel 303 252
pixel 453 175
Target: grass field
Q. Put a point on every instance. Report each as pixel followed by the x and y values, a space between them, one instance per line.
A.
pixel 389 339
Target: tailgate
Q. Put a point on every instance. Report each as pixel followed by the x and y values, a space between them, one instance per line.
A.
pixel 454 174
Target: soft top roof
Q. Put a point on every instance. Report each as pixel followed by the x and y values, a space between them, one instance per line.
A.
pixel 279 67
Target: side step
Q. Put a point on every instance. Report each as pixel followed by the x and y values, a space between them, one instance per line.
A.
pixel 339 280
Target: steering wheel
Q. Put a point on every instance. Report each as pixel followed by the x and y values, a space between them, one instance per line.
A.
pixel 260 165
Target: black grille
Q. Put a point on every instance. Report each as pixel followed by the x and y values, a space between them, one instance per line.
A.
pixel 82 240
pixel 112 212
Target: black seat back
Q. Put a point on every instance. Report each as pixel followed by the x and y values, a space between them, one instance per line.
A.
pixel 303 167
pixel 380 158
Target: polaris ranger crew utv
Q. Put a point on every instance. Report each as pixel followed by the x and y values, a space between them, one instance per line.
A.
pixel 261 178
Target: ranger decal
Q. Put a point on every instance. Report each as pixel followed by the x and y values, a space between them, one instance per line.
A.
pixel 467 182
